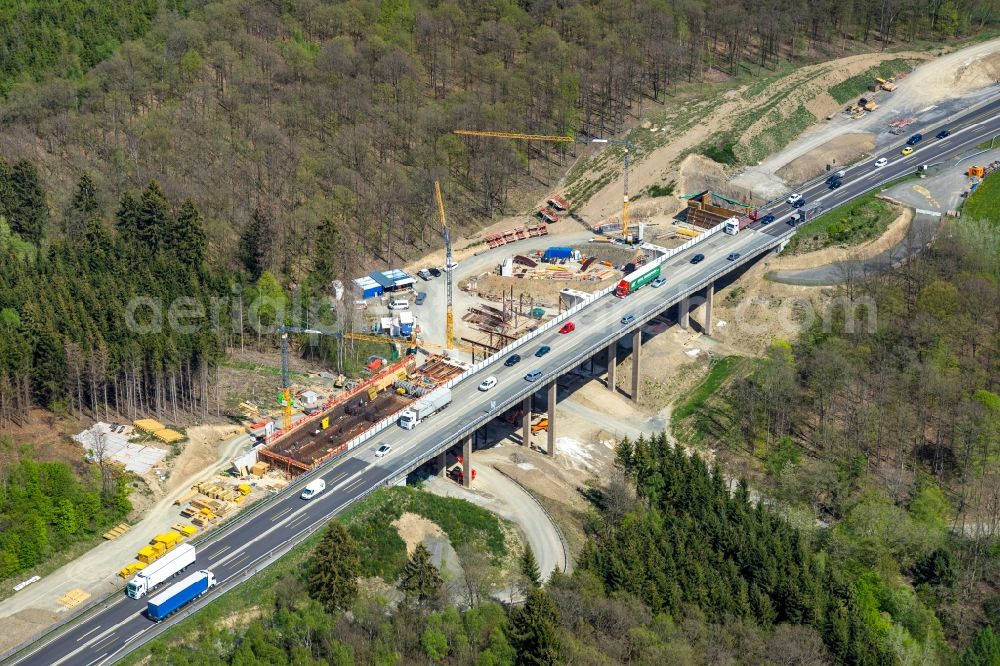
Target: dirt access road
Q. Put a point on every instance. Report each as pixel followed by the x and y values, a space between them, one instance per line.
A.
pixel 36 606
pixel 931 93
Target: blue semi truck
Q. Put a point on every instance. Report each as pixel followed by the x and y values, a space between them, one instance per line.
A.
pixel 179 594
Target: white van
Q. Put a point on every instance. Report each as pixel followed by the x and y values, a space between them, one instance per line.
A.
pixel 399 304
pixel 313 488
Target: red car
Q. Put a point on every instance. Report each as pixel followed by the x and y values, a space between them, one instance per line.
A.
pixel 568 327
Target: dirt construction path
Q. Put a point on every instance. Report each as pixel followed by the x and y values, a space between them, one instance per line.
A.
pixel 36 606
pixel 929 92
pixel 497 493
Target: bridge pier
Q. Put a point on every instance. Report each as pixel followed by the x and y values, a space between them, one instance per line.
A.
pixel 526 422
pixel 467 461
pixel 709 296
pixel 552 418
pixel 442 463
pixel 636 356
pixel 612 365
pixel 684 313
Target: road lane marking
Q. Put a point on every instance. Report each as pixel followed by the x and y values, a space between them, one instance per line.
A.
pixel 104 642
pixel 88 633
pixel 281 513
pixel 103 655
pixel 219 552
pixel 295 522
pixel 239 559
pixel 284 521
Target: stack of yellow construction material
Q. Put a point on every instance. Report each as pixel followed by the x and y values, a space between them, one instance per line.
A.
pixel 147 555
pixel 244 489
pixel 116 531
pixel 185 530
pixel 168 539
pixel 259 469
pixel 126 572
pixel 74 598
pixel 186 497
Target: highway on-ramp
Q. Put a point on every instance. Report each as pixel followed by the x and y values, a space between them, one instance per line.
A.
pixel 236 552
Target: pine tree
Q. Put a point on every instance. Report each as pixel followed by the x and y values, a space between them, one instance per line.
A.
pixel 84 206
pixel 327 250
pixel 420 581
pixel 532 631
pixel 332 577
pixel 127 218
pixel 85 197
pixel 187 240
pixel 529 567
pixel 27 210
pixel 984 650
pixel 256 243
pixel 154 218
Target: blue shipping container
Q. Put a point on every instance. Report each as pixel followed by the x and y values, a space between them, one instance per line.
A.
pixel 176 596
pixel 558 253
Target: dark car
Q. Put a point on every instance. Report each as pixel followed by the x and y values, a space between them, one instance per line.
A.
pixel 799 203
pixel 767 219
pixel 697 259
pixel 543 350
pixel 834 184
pixel 421 297
pixel 733 256
pixel 513 359
pixel 942 134
pixel 435 272
pixel 915 139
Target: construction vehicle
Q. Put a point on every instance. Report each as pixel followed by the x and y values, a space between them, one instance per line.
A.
pixel 176 596
pixel 540 426
pixel 636 279
pixel 423 408
pixel 449 266
pixel 626 144
pixel 156 574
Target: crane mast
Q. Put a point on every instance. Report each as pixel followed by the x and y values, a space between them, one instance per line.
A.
pixel 449 333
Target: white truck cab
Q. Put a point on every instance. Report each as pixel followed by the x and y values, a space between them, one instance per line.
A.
pixel 313 488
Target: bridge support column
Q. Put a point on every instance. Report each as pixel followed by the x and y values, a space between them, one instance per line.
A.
pixel 636 356
pixel 612 365
pixel 552 418
pixel 684 313
pixel 467 461
pixel 443 463
pixel 709 296
pixel 526 422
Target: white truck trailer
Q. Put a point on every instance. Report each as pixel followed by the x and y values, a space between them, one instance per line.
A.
pixel 171 564
pixel 421 409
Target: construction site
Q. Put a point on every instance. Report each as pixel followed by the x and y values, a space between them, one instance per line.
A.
pixel 329 431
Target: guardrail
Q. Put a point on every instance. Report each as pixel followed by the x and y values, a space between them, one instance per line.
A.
pixel 412 464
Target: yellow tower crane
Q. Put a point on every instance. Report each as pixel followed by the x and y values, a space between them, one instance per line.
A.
pixel 449 331
pixel 568 139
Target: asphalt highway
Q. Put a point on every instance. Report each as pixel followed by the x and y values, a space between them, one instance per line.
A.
pixel 239 551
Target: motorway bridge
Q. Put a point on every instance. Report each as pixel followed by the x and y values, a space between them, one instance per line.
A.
pixel 110 629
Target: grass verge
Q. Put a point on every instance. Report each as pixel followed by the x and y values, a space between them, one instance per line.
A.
pixel 858 85
pixel 717 374
pixel 862 220
pixel 984 203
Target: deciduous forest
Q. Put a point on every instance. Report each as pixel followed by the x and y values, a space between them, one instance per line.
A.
pixel 882 421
